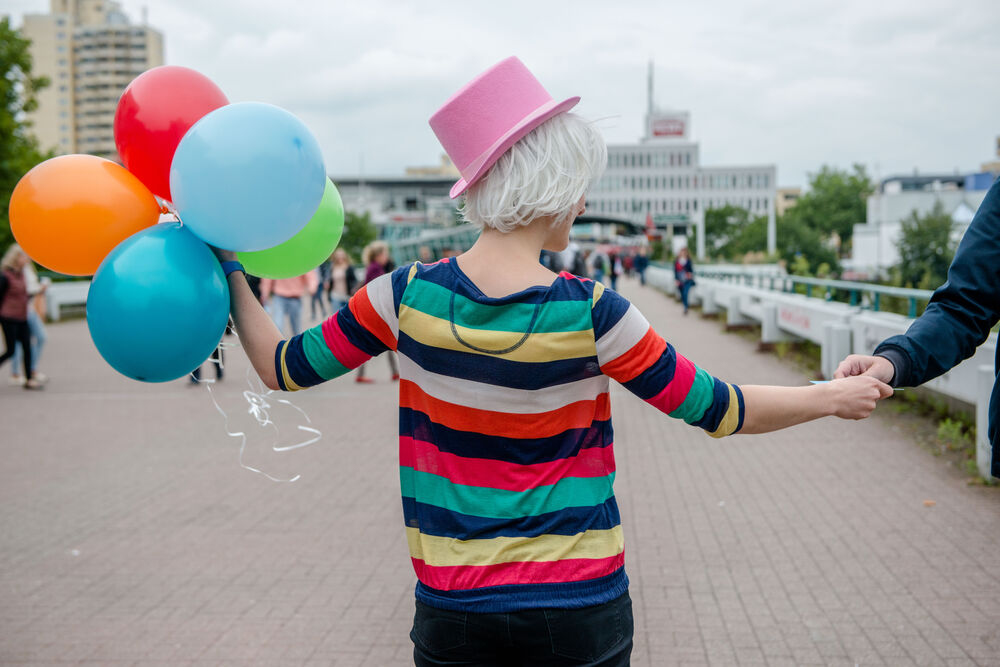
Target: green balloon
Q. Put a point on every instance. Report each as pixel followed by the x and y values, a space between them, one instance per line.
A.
pixel 306 250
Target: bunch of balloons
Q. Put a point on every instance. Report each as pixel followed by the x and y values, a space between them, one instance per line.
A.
pixel 247 177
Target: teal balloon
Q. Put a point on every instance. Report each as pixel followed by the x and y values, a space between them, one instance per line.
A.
pixel 307 249
pixel 158 304
pixel 247 176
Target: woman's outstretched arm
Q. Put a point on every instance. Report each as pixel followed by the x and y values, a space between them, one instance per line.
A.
pixel 257 332
pixel 632 353
pixel 771 408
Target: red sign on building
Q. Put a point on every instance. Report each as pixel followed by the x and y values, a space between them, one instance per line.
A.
pixel 668 127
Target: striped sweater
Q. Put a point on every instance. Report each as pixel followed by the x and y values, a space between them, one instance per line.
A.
pixel 506 459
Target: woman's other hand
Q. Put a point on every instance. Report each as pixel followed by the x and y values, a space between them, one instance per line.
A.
pixel 855 397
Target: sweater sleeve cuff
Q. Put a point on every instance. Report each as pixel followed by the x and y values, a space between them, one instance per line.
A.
pixel 898 361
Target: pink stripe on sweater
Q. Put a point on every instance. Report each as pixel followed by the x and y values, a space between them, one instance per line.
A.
pixel 345 351
pixel 494 474
pixel 463 577
pixel 677 389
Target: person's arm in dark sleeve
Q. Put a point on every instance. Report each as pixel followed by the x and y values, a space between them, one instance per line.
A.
pixel 962 311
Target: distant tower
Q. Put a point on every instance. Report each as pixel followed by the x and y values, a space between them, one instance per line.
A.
pixel 649 90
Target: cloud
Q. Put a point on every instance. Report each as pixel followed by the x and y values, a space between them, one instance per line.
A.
pixel 798 84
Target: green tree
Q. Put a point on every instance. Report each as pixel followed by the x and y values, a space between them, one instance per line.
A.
pixel 359 231
pixel 19 150
pixel 835 202
pixel 731 232
pixel 803 248
pixel 925 248
pixel 722 227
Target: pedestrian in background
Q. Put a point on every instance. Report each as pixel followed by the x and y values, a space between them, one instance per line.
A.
pixel 343 279
pixel 283 298
pixel 615 268
pixel 684 275
pixel 376 257
pixel 319 295
pixel 14 300
pixel 641 263
pixel 36 328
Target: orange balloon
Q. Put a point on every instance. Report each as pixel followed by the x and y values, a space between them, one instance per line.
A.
pixel 69 212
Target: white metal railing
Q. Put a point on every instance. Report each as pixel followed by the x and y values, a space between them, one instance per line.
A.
pixel 72 293
pixel 840 329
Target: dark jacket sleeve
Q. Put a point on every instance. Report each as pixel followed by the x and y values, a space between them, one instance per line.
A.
pixel 961 313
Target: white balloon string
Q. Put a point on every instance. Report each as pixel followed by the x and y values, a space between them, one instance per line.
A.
pixel 259 401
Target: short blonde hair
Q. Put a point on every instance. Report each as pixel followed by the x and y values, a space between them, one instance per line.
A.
pixel 373 249
pixel 10 256
pixel 544 174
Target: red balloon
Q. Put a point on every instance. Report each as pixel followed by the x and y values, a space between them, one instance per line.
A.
pixel 154 112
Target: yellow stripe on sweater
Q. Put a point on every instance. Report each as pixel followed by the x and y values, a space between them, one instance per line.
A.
pixel 289 382
pixel 449 551
pixel 732 417
pixel 539 347
pixel 598 293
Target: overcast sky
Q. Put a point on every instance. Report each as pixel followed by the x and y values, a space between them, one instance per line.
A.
pixel 893 84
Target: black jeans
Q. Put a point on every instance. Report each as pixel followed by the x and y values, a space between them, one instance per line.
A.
pixel 17 331
pixel 600 636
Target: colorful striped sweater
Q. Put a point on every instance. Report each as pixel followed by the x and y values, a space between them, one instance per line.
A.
pixel 506 459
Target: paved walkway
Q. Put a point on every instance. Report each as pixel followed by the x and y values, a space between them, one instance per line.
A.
pixel 131 535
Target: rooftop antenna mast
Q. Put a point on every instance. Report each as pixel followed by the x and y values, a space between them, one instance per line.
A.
pixel 649 89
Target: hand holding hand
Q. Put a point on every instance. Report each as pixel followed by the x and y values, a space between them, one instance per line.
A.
pixel 855 397
pixel 859 364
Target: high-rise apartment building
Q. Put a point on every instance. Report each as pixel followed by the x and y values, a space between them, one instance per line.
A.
pixel 90 52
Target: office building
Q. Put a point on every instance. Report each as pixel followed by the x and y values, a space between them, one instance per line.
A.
pixel 875 242
pixel 662 176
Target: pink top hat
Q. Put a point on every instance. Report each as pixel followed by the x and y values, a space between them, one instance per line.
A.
pixel 488 116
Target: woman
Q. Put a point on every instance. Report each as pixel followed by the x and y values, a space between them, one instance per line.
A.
pixel 283 297
pixel 343 281
pixel 14 299
pixel 684 275
pixel 378 263
pixel 506 455
pixel 36 327
pixel 322 289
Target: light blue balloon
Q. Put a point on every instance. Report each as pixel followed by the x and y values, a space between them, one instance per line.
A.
pixel 247 177
pixel 158 304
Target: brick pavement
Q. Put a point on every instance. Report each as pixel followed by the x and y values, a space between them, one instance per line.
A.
pixel 131 535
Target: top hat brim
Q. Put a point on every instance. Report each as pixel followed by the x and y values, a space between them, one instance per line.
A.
pixel 511 137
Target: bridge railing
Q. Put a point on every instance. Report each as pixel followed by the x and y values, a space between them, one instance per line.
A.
pixel 866 295
pixel 459 239
pixel 855 325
